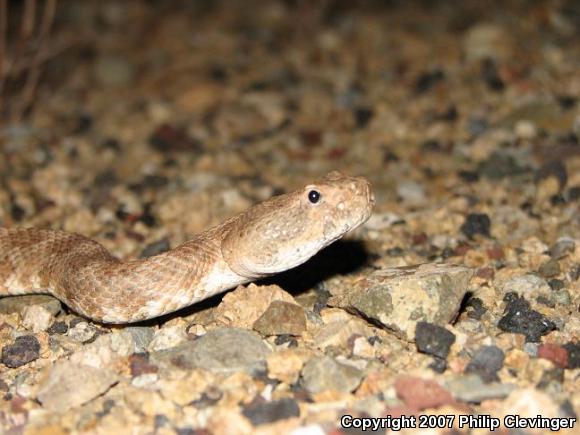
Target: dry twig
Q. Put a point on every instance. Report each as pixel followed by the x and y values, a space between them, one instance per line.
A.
pixel 22 60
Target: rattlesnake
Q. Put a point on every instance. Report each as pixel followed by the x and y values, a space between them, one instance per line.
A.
pixel 270 237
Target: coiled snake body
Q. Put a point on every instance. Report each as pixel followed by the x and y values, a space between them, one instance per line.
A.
pixel 268 238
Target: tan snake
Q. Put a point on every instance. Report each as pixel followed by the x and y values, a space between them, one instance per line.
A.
pixel 270 237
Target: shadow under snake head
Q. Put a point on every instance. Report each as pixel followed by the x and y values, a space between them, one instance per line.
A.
pixel 285 231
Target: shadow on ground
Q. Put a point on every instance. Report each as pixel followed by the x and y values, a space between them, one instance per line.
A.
pixel 340 258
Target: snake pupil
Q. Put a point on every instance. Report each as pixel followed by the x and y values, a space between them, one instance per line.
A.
pixel 314 196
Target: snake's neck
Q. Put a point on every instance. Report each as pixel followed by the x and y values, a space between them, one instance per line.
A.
pixel 194 271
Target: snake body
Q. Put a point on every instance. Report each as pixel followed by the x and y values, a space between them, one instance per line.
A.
pixel 270 237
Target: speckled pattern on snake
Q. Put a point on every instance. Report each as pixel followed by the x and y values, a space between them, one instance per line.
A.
pixel 273 236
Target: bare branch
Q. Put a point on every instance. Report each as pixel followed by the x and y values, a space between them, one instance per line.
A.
pixel 28 18
pixel 3 54
pixel 30 86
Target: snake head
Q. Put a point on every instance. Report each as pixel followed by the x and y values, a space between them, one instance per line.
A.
pixel 285 231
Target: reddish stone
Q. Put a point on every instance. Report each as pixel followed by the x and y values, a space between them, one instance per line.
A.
pixel 17 405
pixel 462 249
pixel 495 253
pixel 486 273
pixel 133 234
pixel 555 353
pixel 336 153
pixel 169 138
pixel 422 393
pixel 420 239
pixel 139 364
pixel 311 138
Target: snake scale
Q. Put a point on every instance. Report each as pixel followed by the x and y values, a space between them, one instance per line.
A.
pixel 270 237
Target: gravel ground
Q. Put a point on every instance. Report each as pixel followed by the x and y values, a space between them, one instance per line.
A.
pixel 459 299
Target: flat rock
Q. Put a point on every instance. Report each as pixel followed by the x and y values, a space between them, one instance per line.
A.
pixel 472 389
pixel 323 373
pixel 269 412
pixel 25 349
pixel 70 385
pixel 16 304
pixel 224 350
pixel 421 393
pixel 280 318
pixel 243 306
pixel 398 298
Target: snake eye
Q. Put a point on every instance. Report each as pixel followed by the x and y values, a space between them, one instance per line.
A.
pixel 314 196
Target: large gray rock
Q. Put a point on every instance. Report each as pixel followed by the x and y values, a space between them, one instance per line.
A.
pixel 222 350
pixel 398 298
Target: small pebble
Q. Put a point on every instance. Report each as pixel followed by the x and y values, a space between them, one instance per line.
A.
pixel 25 349
pixel 281 318
pixel 142 336
pixel 476 127
pixel 433 339
pixel 36 318
pixel 520 318
pixel 550 268
pixel 472 389
pixel 528 285
pixel 268 412
pixel 555 353
pixel 427 80
pixel 531 349
pixel 421 393
pixel 556 284
pixel 139 364
pixel 491 76
pixel 556 169
pixel 169 138
pixel 58 328
pixel 81 331
pixel 486 362
pixel 573 349
pixel 476 223
pixel 476 309
pixel 324 373
pixel 562 297
pixel 363 116
pixel 562 248
pixel 501 165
